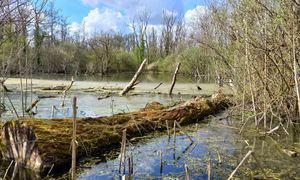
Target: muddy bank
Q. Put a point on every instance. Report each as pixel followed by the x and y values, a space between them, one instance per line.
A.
pixel 44 143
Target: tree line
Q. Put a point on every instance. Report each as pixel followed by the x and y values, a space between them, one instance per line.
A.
pixel 35 38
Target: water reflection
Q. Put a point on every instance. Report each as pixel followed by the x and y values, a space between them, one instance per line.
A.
pixel 16 171
pixel 214 142
pixel 88 105
pixel 194 154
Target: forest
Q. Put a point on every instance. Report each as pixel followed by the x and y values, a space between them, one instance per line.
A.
pixel 35 36
pixel 251 47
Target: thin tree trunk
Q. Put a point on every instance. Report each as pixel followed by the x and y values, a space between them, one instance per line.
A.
pixel 73 177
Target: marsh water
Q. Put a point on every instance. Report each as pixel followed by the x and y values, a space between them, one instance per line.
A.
pixel 218 147
pixel 215 143
pixel 88 103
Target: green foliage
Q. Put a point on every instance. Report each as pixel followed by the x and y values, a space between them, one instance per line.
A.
pixel 192 59
pixel 124 61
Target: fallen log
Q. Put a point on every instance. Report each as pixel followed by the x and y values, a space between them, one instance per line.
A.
pixel 55 88
pixel 41 144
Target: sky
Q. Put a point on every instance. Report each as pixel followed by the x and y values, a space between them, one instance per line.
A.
pixel 116 15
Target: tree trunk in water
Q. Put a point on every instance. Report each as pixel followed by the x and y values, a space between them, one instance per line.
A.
pixel 174 78
pixel 133 80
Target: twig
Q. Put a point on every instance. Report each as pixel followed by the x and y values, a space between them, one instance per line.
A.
pixel 7 169
pixel 65 92
pixel 161 161
pixel 274 129
pixel 190 138
pixel 241 163
pixel 174 135
pixel 130 167
pixel 208 170
pixel 158 85
pixel 187 176
pixel 167 125
pixel 50 170
pixel 12 105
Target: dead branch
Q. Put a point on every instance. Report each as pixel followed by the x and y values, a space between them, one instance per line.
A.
pixel 4 86
pixel 158 85
pixel 174 78
pixel 241 163
pixel 133 80
pixel 29 108
pixel 65 92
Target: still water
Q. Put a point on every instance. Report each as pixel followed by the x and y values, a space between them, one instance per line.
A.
pixel 88 103
pixel 216 144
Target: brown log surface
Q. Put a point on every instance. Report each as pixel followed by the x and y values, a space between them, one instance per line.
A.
pixel 40 143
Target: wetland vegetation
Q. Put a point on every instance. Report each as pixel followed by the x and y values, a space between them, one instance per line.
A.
pixel 230 110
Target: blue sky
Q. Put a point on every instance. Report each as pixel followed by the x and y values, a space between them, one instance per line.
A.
pixel 115 15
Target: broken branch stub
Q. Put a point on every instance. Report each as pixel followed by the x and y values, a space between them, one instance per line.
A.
pixel 174 78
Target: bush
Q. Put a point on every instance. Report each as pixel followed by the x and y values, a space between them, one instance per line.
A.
pixel 123 62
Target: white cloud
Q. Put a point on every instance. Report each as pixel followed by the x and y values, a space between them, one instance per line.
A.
pixel 74 28
pixel 115 15
pixel 132 7
pixel 100 20
pixel 103 20
pixel 192 15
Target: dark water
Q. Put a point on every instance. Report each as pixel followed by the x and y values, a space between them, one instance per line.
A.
pixel 214 142
pixel 208 142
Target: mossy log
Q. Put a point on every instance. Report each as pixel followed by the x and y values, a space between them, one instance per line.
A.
pixel 42 143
